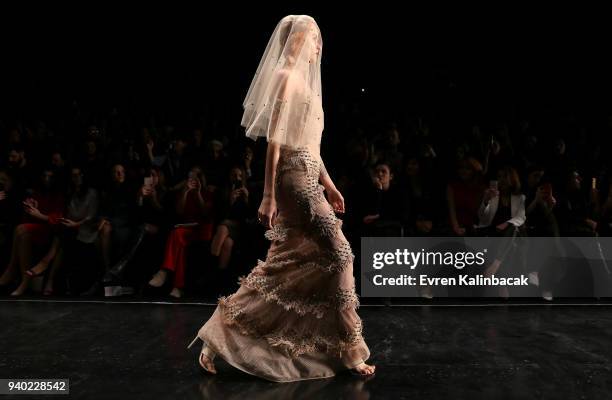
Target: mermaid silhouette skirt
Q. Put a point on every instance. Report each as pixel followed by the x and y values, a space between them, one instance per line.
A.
pixel 294 315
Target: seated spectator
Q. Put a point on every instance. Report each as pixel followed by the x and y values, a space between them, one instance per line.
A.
pixel 116 221
pixel 575 210
pixel 153 221
pixel 197 146
pixel 176 163
pixel 499 152
pixel 194 217
pixel 216 163
pixel 234 208
pixel 420 198
pixel 9 214
pixel 502 214
pixel 92 164
pixel 384 207
pixel 542 222
pixel 388 149
pixel 605 221
pixel 58 163
pixel 540 203
pixel 20 169
pixel 559 162
pixel 79 224
pixel 245 161
pixel 43 209
pixel 463 196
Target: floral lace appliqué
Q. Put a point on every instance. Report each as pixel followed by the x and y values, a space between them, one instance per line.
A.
pixel 290 341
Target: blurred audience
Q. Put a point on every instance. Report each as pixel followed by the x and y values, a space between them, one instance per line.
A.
pixel 140 192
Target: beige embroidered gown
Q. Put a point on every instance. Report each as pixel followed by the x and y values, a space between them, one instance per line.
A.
pixel 294 316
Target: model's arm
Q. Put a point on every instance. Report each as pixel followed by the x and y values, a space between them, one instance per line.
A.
pixel 333 194
pixel 267 209
pixel 272 155
pixel 274 137
pixel 324 177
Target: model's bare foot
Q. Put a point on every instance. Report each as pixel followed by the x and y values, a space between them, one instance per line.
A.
pixel 159 278
pixel 176 293
pixel 364 369
pixel 207 364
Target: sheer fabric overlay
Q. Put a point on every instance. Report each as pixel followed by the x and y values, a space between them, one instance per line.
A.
pixel 284 102
pixel 294 316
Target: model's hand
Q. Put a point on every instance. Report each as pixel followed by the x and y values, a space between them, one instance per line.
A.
pixel 267 212
pixel 336 200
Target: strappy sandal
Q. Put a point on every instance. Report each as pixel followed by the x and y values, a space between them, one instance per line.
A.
pixel 206 352
pixel 30 272
pixel 204 364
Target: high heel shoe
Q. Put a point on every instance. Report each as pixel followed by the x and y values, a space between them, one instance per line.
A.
pixel 19 291
pixel 205 353
pixel 159 278
pixel 207 366
pixel 30 272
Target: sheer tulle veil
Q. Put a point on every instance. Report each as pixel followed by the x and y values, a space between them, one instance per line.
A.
pixel 284 102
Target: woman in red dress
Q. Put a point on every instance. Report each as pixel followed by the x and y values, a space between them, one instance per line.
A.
pixel 194 209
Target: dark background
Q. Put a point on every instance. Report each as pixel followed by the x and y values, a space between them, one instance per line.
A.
pixel 452 83
pixel 180 63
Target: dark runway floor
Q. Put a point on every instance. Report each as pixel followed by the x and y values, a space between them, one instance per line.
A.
pixel 138 350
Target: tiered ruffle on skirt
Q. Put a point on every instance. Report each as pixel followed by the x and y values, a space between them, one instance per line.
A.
pixel 294 316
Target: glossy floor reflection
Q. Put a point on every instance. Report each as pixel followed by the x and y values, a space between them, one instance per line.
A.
pixel 114 350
